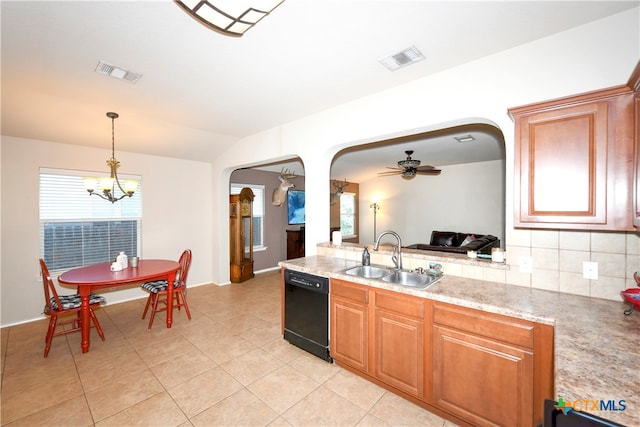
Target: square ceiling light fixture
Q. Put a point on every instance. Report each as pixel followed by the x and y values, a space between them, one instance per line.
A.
pixel 117 72
pixel 403 58
pixel 229 17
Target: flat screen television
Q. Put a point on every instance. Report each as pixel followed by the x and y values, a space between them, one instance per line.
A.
pixel 295 207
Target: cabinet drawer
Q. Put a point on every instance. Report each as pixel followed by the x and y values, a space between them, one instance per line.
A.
pixel 493 326
pixel 349 291
pixel 400 304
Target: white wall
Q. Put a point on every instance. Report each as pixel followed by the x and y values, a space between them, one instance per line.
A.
pixel 590 57
pixel 465 198
pixel 176 208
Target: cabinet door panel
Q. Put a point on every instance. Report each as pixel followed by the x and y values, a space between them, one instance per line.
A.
pixel 349 333
pixel 485 382
pixel 563 161
pixel 399 352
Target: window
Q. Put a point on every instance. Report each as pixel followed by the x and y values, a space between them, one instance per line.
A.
pixel 258 213
pixel 77 229
pixel 348 214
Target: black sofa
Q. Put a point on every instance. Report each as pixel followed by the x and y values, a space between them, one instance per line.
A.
pixel 451 241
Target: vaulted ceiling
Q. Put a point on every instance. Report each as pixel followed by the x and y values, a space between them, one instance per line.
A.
pixel 200 91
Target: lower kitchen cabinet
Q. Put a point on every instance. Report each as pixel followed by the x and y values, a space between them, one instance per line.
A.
pixel 471 366
pixel 485 368
pixel 349 335
pixel 380 334
pixel 399 342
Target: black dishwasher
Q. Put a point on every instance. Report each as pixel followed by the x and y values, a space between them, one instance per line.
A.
pixel 306 312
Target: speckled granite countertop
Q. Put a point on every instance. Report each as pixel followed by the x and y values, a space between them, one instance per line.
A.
pixel 597 347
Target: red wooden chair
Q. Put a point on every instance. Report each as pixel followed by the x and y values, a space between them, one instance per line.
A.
pixel 55 306
pixel 158 289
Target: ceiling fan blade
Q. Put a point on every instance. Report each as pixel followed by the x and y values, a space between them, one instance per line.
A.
pixel 429 172
pixel 396 172
pixel 425 168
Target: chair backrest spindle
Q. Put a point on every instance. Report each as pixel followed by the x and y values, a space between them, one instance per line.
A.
pixel 185 264
pixel 49 288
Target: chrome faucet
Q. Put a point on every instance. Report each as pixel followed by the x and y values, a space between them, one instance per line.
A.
pixel 397 259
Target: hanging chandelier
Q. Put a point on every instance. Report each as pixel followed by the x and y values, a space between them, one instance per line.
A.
pixel 107 185
pixel 229 17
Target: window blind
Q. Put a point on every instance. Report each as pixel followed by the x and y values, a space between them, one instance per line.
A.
pixel 77 229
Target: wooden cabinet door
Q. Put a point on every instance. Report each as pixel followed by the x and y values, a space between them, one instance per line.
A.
pixel 295 244
pixel 399 342
pixel 349 343
pixel 573 162
pixel 483 381
pixel 636 216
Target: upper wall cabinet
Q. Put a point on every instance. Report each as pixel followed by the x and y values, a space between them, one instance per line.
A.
pixel 574 162
pixel 634 83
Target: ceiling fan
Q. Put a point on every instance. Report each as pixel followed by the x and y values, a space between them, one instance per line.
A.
pixel 409 168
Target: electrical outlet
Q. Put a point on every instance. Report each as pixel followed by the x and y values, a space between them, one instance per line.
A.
pixel 590 270
pixel 526 264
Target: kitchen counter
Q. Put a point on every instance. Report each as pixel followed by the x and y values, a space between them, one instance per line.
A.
pixel 597 347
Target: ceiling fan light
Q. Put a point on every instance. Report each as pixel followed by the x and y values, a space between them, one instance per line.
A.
pixel 409 163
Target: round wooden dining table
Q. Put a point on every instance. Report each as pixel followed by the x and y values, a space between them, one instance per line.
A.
pixel 99 276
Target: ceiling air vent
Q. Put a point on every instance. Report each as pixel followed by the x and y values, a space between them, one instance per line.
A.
pixel 117 72
pixel 402 59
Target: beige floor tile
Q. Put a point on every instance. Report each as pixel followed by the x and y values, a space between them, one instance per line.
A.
pixel 397 411
pixel 266 332
pixel 166 349
pixel 279 422
pixel 241 323
pixel 323 407
pixel 314 367
pixel 226 348
pixel 72 412
pixel 283 388
pixel 18 401
pixel 357 390
pixel 182 368
pixel 370 421
pixel 240 409
pixel 283 350
pixel 122 393
pixel 110 370
pixel 203 391
pixel 100 352
pixel 251 366
pixel 158 410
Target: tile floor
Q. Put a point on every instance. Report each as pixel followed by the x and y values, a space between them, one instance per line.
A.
pixel 228 366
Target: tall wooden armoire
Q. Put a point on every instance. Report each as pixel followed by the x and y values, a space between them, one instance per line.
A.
pixel 241 235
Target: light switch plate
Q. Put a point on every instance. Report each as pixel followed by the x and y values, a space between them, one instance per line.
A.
pixel 590 270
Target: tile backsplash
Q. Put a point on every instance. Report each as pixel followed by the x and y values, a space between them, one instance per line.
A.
pixel 556 258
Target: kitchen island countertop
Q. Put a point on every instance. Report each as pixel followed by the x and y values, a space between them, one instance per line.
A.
pixel 597 347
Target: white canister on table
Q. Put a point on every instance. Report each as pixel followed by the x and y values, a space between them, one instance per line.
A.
pixel 123 260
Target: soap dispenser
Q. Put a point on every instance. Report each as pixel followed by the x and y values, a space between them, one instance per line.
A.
pixel 366 257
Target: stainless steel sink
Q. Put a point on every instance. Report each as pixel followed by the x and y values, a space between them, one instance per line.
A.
pixel 387 274
pixel 368 271
pixel 411 279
